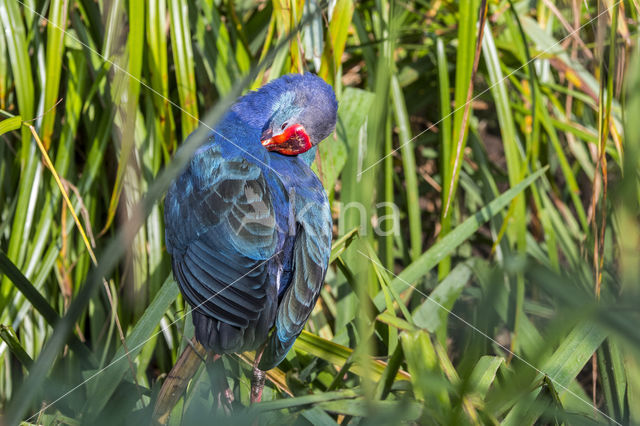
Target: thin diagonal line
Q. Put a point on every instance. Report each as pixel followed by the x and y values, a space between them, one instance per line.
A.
pixel 485 335
pixel 151 89
pixel 175 105
pixel 490 87
pixel 227 139
pixel 163 329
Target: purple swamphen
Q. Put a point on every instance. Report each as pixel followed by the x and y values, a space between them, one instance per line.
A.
pixel 248 224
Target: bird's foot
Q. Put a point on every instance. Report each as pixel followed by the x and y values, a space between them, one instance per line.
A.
pixel 222 394
pixel 225 401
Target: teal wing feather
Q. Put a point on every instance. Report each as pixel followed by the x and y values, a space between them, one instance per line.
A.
pixel 221 234
pixel 311 251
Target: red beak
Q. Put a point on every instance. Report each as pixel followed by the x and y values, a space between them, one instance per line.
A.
pixel 292 141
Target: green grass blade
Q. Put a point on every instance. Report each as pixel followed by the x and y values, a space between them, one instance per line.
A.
pixel 34 297
pixel 445 108
pixel 516 167
pixel 484 373
pixel 426 374
pixel 432 316
pixel 614 380
pixel 104 385
pixel 336 39
pixel 8 335
pixel 18 49
pixel 53 69
pixel 445 246
pixel 409 167
pixel 303 400
pixel 184 63
pixel 10 124
pixel 158 68
pixel 339 246
pixel 561 368
pixel 338 355
pixel 404 411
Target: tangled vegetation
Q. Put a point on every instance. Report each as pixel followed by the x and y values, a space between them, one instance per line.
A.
pixel 483 178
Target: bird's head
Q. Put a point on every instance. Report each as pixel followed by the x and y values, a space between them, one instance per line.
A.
pixel 303 115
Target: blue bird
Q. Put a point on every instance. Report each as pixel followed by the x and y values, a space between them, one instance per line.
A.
pixel 248 224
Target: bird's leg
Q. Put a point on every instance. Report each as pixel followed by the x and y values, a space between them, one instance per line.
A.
pixel 257 382
pixel 222 394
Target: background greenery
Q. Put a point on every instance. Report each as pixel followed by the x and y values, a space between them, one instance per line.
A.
pixel 542 281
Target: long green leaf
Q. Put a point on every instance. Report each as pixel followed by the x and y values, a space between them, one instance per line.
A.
pixel 10 124
pixel 11 272
pixel 336 39
pixel 445 246
pixel 54 58
pixel 16 42
pixel 561 368
pixel 409 166
pixel 8 335
pixel 116 248
pixel 103 387
pixel 404 411
pixel 183 60
pixel 432 316
pixel 484 373
pixel 426 374
pixel 338 354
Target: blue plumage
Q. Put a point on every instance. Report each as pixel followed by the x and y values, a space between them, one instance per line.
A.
pixel 249 230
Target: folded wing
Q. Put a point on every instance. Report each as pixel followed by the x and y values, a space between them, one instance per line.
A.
pixel 311 251
pixel 221 234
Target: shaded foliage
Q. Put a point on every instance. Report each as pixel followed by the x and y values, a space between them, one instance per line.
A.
pixel 509 292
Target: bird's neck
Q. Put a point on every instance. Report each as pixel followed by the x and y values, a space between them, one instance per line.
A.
pixel 309 156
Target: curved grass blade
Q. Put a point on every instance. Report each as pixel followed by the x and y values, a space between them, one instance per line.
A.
pixel 409 168
pixel 338 355
pixel 53 67
pixel 184 63
pixel 116 247
pixel 403 411
pixel 16 42
pixel 446 245
pixel 430 315
pixel 484 373
pixel 466 65
pixel 103 387
pixel 8 335
pixel 41 305
pixel 561 368
pixel 126 91
pixel 336 40
pixel 304 400
pixel 10 124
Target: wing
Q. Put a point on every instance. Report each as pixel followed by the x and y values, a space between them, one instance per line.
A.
pixel 311 251
pixel 221 232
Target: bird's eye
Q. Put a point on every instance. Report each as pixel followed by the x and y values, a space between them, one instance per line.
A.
pixel 284 125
